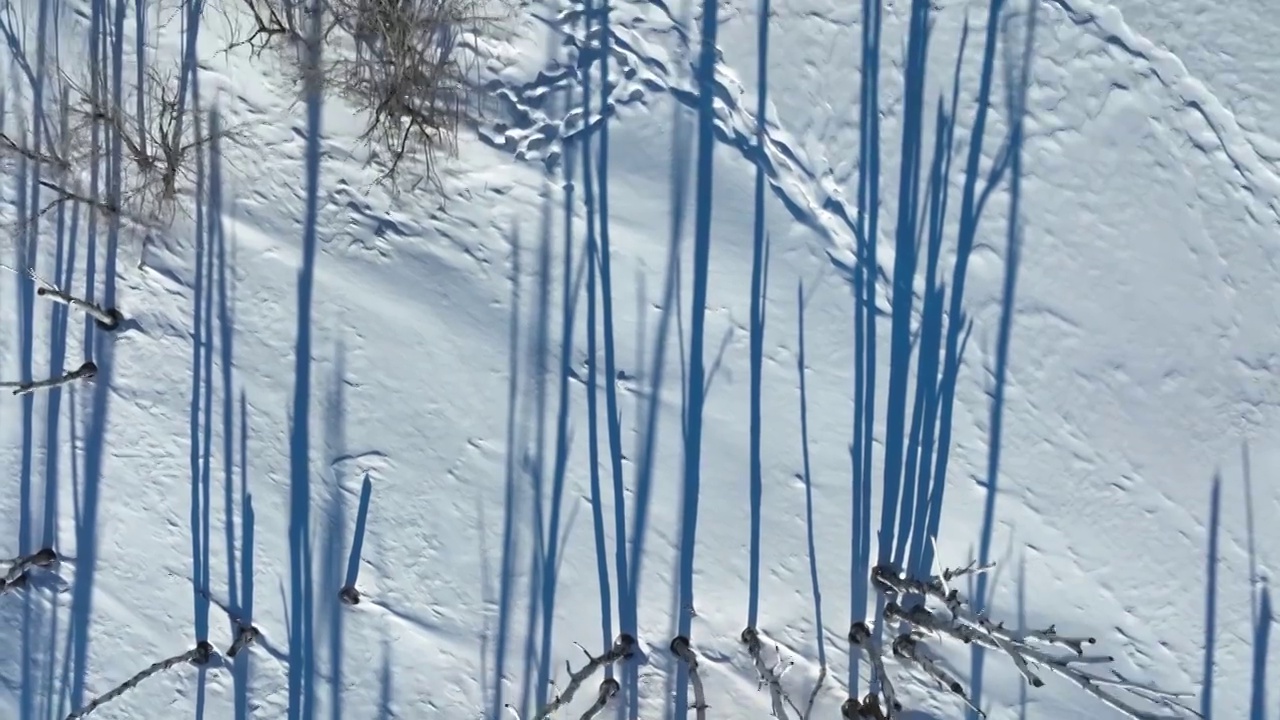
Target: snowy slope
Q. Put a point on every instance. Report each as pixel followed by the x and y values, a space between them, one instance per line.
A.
pixel 1111 437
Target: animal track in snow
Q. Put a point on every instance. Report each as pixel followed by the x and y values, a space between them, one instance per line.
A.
pixel 638 70
pixel 1258 171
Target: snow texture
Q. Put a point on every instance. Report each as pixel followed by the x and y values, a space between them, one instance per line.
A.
pixel 730 315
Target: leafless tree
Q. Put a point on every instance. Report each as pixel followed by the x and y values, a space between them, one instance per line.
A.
pixel 159 148
pixel 272 23
pixel 408 73
pixel 931 608
pixel 405 66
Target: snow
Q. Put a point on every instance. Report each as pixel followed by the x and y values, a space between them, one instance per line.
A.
pixel 1112 438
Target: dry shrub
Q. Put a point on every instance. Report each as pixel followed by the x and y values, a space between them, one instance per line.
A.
pixel 408 75
pixel 159 148
pixel 160 139
pixel 405 66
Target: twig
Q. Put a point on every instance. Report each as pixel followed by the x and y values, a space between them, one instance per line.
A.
pixel 65 195
pixel 1093 685
pixel 106 318
pixel 8 145
pixel 936 588
pixel 84 372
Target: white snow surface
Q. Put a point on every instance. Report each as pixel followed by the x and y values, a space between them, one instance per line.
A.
pixel 1129 251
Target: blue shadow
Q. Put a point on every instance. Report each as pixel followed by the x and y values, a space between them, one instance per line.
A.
pixel 1211 599
pixel 759 290
pixel 570 292
pixel 649 427
pixel 535 460
pixel 807 477
pixel 866 232
pixel 362 522
pixel 242 671
pixel 510 508
pixel 1017 80
pixel 384 685
pixel 331 575
pixel 302 655
pixel 904 271
pixel 98 346
pixel 59 321
pixel 202 397
pixel 695 392
pixel 593 413
pixel 201 410
pixel 625 564
pixel 1261 643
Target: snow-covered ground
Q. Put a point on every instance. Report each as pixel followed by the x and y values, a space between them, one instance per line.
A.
pixel 319 379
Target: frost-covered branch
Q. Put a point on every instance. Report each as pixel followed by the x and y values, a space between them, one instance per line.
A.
pixel 1029 650
pixel 608 688
pixel 20 565
pixel 84 372
pixel 198 655
pixel 907 648
pixel 768 676
pixel 107 318
pixel 683 650
pixel 622 647
pixel 860 636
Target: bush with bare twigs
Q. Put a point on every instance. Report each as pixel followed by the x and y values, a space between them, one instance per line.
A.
pixel 404 65
pixel 158 148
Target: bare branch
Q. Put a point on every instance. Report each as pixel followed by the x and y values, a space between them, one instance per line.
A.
pixel 683 650
pixel 159 147
pixel 608 688
pixel 10 147
pixel 84 372
pixel 1028 649
pixel 906 647
pixel 777 696
pixel 199 655
pixel 622 647
pixel 15 578
pixel 813 694
pixel 860 637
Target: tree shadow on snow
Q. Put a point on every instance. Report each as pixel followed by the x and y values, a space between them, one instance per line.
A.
pixel 302 651
pixel 918 424
pixel 1019 39
pixel 106 182
pixel 1261 615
